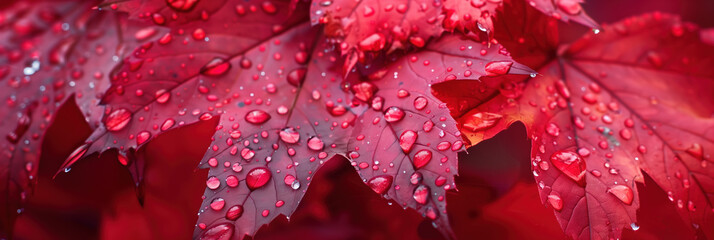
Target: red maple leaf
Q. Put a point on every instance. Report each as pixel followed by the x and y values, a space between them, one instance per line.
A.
pixel 601 111
pixel 51 53
pixel 285 108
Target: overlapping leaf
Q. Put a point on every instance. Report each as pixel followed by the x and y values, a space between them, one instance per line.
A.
pixel 284 109
pixel 632 99
pixel 51 51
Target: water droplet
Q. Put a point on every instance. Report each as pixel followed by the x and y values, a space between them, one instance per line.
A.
pixel 695 150
pixel 421 158
pixel 117 119
pixel 416 178
pixel 407 140
pixel 216 67
pixel 626 134
pixel 634 226
pixel 498 68
pixel 213 183
pixel 247 153
pixel 421 194
pixel 142 137
pixel 199 34
pixel 234 212
pixel 553 129
pixel 380 184
pixel 440 181
pixel 297 76
pixel 481 121
pixel 420 103
pixel 569 163
pixel 221 231
pixel 622 192
pixel 269 7
pixel 364 91
pixel 555 201
pixel 571 7
pixel 289 135
pixel 393 114
pixel 182 5
pixel 162 96
pixel 257 177
pixel 217 204
pixel 315 143
pixel 257 117
pixel 167 124
pixel 232 181
pixel 374 42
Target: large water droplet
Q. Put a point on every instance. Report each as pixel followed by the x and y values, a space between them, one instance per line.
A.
pixel 219 232
pixel 407 140
pixel 364 91
pixel 421 194
pixel 289 135
pixel 216 67
pixel 142 137
pixel 217 204
pixel 315 143
pixel 380 184
pixel 555 201
pixel 234 212
pixel 421 158
pixel 569 163
pixel 117 119
pixel 257 177
pixel 393 114
pixel 622 192
pixel 374 42
pixel 420 103
pixel 181 5
pixel 257 117
pixel 297 76
pixel 481 121
pixel 498 68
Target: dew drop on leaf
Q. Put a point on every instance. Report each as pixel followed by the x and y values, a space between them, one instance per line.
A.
pixel 218 232
pixel 142 137
pixel 498 68
pixel 416 178
pixel 218 204
pixel 257 177
pixel 421 158
pixel 393 114
pixel 289 135
pixel 407 140
pixel 257 117
pixel 234 212
pixel 315 143
pixel 420 103
pixel 622 192
pixel 555 201
pixel 117 119
pixel 380 184
pixel 569 163
pixel 421 194
pixel 216 67
pixel 481 121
